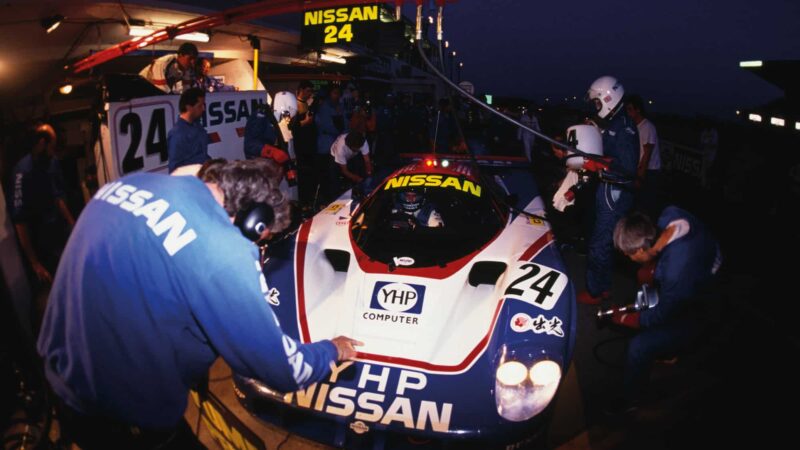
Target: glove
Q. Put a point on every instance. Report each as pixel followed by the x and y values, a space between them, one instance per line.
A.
pixel 560 199
pixel 630 320
pixel 646 273
pixel 274 153
pixel 596 165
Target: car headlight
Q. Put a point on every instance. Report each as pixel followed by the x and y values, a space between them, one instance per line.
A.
pixel 521 393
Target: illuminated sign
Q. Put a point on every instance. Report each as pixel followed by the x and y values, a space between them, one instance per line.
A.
pixel 346 25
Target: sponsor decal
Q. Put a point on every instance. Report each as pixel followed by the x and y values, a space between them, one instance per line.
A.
pixel 434 180
pixel 225 428
pixel 359 427
pixel 398 297
pixel 607 99
pixel 334 208
pixel 535 284
pixel 395 303
pixel 522 322
pixel 372 401
pixel 272 297
pixel 535 221
pixel 403 261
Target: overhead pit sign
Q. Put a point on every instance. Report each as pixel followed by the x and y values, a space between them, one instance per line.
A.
pixel 336 26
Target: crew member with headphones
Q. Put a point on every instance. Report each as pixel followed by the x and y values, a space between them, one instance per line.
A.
pixel 155 283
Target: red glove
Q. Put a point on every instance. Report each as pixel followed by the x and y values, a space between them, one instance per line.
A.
pixel 645 273
pixel 274 153
pixel 596 165
pixel 630 320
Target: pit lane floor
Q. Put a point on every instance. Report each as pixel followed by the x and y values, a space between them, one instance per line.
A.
pixel 725 391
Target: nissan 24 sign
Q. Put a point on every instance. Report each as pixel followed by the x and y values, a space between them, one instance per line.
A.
pixel 139 128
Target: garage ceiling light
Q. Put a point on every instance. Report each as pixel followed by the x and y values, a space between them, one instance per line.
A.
pixel 52 22
pixel 777 121
pixel 754 117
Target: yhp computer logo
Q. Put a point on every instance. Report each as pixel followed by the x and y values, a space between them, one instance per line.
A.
pixel 398 297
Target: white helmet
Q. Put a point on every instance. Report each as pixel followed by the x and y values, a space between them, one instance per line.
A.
pixel 585 138
pixel 606 93
pixel 284 105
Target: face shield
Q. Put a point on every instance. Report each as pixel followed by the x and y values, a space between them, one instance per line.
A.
pixel 411 201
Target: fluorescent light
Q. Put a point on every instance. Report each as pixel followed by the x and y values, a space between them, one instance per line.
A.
pixel 331 58
pixel 196 37
pixel 797 125
pixel 754 117
pixel 138 31
pixel 777 121
pixel 751 64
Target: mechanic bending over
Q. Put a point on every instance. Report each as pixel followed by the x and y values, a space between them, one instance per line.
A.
pixel 688 257
pixel 155 283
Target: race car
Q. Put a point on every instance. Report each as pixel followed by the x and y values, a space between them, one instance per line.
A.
pixel 449 275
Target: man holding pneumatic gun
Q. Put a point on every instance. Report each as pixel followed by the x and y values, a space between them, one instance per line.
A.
pixel 687 257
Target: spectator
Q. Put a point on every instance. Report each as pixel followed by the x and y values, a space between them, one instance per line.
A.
pixel 140 309
pixel 528 119
pixel 173 73
pixel 187 141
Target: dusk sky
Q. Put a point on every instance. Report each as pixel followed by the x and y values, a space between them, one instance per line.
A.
pixel 683 54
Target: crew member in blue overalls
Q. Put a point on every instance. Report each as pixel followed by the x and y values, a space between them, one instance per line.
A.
pixel 187 141
pixel 330 122
pixel 612 200
pixel 687 257
pixel 155 283
pixel 40 215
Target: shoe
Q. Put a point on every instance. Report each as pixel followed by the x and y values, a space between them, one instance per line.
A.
pixel 584 297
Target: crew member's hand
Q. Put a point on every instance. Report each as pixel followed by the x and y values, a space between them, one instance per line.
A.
pixel 596 165
pixel 274 153
pixel 630 320
pixel 345 346
pixel 41 273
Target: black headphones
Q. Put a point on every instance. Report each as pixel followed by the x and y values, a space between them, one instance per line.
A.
pixel 254 220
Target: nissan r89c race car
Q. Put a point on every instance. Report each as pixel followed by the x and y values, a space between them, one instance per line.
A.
pixel 449 276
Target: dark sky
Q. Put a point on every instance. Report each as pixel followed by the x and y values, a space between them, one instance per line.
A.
pixel 684 54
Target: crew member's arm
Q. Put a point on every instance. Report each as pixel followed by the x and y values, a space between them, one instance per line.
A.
pixel 644 161
pixel 62 207
pixel 231 306
pixel 354 177
pixel 367 160
pixel 27 248
pixel 18 216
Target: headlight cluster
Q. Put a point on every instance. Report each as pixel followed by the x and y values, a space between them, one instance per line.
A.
pixel 521 393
